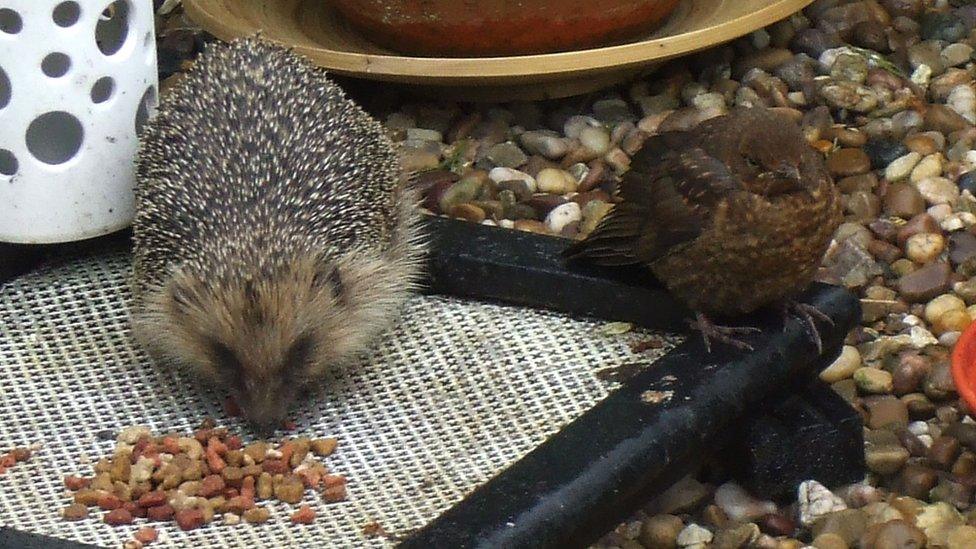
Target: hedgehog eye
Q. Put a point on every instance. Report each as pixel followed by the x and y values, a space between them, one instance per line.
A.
pixel 333 278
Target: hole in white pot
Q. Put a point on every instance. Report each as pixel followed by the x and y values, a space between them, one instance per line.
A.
pixel 113 27
pixel 102 89
pixel 66 14
pixel 55 137
pixel 4 89
pixel 56 64
pixel 8 162
pixel 146 104
pixel 10 21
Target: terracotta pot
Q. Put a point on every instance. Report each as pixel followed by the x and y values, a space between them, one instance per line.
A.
pixel 470 28
pixel 964 366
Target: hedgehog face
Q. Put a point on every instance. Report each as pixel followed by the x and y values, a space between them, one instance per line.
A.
pixel 263 338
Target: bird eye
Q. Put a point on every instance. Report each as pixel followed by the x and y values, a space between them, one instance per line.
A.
pixel 752 163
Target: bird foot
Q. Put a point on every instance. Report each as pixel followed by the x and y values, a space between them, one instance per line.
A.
pixel 807 314
pixel 711 331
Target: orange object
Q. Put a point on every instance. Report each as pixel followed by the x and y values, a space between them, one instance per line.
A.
pixel 455 28
pixel 964 366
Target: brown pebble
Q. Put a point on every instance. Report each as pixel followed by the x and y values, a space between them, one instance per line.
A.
pixel 777 524
pixel 468 212
pixel 917 480
pixel 922 144
pixel 944 451
pixel 903 200
pixel 75 511
pixel 257 515
pixel 847 162
pixel 943 119
pixel 886 411
pixel 118 517
pixel 922 223
pixel 926 283
pixel 894 534
pixel 965 465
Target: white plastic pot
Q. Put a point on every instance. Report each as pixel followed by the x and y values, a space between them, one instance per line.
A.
pixel 77 80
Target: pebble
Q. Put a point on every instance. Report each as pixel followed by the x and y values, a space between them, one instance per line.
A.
pixel 941 305
pixel 739 505
pixel 937 521
pixel 555 181
pixel 943 119
pixel 736 537
pixel 507 155
pixel 898 534
pixel 844 366
pixel 682 496
pixel 962 100
pixel 903 200
pixel 596 140
pixel 660 532
pixel 847 162
pixel 961 537
pixel 850 95
pixel 883 152
pixel 562 216
pixel 829 541
pixel 883 452
pixel 545 143
pixel 849 524
pixel 925 283
pixel 924 247
pixel 957 54
pixel 902 167
pixel 501 174
pixel 930 166
pixel 816 501
pixel 887 412
pixel 873 381
pixel 694 536
pixel 937 190
pixel 423 134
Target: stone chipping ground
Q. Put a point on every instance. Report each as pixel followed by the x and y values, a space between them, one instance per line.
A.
pixel 885 90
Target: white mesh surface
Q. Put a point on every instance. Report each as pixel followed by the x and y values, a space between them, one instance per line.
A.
pixel 459 391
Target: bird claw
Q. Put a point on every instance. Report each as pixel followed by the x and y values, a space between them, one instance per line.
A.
pixel 711 331
pixel 807 314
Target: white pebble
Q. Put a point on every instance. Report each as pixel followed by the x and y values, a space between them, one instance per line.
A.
pixel 816 501
pixel 939 212
pixel 596 140
pixel 694 536
pixel 937 190
pixel 500 174
pixel 962 99
pixel 575 125
pixel 563 215
pixel 924 247
pixel 930 166
pixel 911 320
pixel 918 428
pixel 760 39
pixel 423 134
pixel 922 75
pixel 901 167
pixel 949 339
pixel 739 505
pixel 957 54
pixel 707 101
pixel 842 368
pixel 555 181
pixel 954 222
pixel 941 305
pixel 506 223
pixel 922 338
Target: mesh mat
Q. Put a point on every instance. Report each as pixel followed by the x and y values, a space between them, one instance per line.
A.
pixel 459 391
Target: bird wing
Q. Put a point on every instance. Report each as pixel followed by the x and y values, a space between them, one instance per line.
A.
pixel 666 199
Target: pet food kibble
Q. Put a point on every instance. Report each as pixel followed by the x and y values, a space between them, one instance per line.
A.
pixel 323 447
pixel 304 515
pixel 118 517
pixel 153 499
pixel 257 515
pixel 189 480
pixel 160 512
pixel 132 544
pixel 211 486
pixel 290 489
pixel 188 519
pixel 87 497
pixel 146 534
pixel 257 451
pixel 233 475
pixel 21 454
pixel 109 502
pixel 75 511
pixel 275 466
pixel 75 483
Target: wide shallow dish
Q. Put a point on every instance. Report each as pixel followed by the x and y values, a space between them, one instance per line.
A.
pixel 455 28
pixel 964 366
pixel 314 29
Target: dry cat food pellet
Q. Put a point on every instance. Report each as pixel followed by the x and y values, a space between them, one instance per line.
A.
pixel 14 457
pixel 146 535
pixel 191 480
pixel 304 515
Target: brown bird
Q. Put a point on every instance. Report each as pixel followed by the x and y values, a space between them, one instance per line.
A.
pixel 733 215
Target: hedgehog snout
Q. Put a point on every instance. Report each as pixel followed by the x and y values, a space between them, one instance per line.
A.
pixel 265 402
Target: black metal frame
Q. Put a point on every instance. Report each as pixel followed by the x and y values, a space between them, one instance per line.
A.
pixel 594 472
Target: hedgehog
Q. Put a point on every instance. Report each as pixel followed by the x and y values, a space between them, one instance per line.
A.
pixel 275 236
